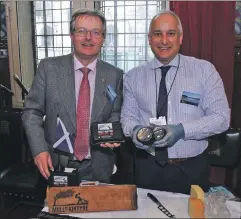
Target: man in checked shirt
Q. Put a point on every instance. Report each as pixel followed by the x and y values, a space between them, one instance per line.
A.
pixel 180 94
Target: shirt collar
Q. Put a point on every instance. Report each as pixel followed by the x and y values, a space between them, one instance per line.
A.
pixel 78 64
pixel 155 63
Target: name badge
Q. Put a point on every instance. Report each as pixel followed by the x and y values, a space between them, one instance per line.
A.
pixel 111 94
pixel 190 98
pixel 160 121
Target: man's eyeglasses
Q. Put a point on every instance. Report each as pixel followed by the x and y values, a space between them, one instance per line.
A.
pixel 82 32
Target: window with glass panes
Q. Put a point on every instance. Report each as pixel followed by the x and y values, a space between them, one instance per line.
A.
pixel 51 19
pixel 126 44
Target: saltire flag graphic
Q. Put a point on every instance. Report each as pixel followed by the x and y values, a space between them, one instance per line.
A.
pixel 64 141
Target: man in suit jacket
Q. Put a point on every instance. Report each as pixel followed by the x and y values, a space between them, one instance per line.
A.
pixel 55 92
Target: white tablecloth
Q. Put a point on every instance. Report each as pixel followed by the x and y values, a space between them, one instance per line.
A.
pixel 176 203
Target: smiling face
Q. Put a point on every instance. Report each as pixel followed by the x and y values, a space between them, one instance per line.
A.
pixel 165 38
pixel 87 48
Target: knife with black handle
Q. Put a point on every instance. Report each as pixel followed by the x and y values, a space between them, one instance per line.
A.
pixel 160 206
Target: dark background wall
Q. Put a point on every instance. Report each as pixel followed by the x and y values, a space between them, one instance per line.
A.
pixel 4 66
pixel 4 60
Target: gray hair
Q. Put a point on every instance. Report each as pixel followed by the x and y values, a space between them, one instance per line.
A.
pixel 83 12
pixel 179 23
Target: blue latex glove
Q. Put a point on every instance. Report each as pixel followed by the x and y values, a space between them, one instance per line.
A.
pixel 173 134
pixel 134 138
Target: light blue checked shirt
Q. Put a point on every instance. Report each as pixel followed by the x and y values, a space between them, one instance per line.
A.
pixel 211 116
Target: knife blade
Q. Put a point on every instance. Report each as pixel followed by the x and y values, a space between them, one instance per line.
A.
pixel 160 206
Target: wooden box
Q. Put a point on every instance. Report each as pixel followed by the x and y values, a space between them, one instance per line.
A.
pixel 77 199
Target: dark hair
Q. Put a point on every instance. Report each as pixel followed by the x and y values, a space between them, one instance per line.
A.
pixel 81 12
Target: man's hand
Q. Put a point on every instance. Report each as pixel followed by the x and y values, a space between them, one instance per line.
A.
pixel 110 145
pixel 173 134
pixel 44 163
pixel 134 137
